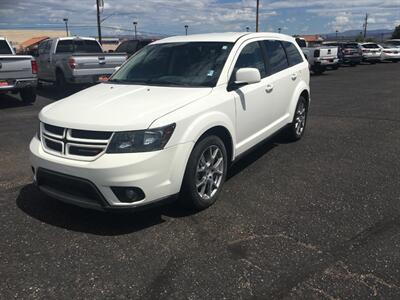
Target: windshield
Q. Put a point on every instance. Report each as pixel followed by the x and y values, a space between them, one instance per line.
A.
pixel 192 64
pixel 370 46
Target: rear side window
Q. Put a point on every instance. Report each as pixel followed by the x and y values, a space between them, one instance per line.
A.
pixel 276 56
pixel 251 57
pixel 4 49
pixel 292 53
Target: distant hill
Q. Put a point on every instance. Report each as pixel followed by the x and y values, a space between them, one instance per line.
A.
pixel 376 33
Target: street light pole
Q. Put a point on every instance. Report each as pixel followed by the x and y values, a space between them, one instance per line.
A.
pixel 258 5
pixel 66 25
pixel 135 24
pixel 186 29
pixel 337 34
pixel 279 30
pixel 98 21
pixel 247 28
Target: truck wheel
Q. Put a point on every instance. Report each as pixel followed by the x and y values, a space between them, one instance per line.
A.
pixel 60 80
pixel 28 96
pixel 205 173
pixel 318 70
pixel 295 130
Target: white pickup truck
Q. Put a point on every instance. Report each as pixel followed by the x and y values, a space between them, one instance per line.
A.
pixel 17 73
pixel 71 60
pixel 319 57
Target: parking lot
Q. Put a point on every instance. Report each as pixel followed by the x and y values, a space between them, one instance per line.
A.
pixel 313 219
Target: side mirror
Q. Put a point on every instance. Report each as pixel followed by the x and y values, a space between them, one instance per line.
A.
pixel 245 76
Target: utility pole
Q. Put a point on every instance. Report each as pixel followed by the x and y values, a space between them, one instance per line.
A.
pixel 258 5
pixel 66 25
pixel 365 25
pixel 135 24
pixel 98 20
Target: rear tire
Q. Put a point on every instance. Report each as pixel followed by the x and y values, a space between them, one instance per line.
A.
pixel 296 129
pixel 205 173
pixel 60 80
pixel 28 96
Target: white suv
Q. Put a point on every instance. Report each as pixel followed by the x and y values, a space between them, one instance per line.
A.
pixel 171 120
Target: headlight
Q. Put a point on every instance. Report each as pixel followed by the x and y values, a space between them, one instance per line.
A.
pixel 140 140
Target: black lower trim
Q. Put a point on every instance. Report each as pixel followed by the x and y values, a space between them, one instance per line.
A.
pixel 82 192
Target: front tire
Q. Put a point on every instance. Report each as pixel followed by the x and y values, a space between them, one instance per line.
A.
pixel 295 130
pixel 205 173
pixel 28 96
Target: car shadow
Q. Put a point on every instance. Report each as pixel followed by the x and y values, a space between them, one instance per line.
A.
pixel 50 211
pixel 11 101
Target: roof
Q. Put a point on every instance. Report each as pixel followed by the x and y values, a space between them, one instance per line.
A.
pixel 76 37
pixel 312 38
pixel 33 41
pixel 220 37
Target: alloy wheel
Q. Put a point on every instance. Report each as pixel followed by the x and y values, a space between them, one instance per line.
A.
pixel 209 172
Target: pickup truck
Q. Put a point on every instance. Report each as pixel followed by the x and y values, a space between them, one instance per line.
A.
pixel 70 60
pixel 319 57
pixel 17 73
pixel 130 47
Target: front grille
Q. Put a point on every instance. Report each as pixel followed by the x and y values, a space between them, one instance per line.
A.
pixel 86 134
pixel 54 129
pixel 74 143
pixel 69 187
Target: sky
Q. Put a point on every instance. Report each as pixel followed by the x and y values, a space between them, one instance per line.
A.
pixel 168 17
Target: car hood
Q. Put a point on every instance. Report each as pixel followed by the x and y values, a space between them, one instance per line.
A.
pixel 117 107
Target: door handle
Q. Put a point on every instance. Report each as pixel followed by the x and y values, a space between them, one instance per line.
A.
pixel 293 76
pixel 269 88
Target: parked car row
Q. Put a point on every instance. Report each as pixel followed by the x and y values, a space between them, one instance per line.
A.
pixel 330 55
pixel 81 60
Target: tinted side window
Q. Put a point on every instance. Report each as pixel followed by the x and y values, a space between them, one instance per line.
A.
pixel 47 47
pixel 251 57
pixel 292 53
pixel 128 47
pixel 42 47
pixel 4 49
pixel 276 56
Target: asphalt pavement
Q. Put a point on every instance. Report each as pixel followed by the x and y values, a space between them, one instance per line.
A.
pixel 315 219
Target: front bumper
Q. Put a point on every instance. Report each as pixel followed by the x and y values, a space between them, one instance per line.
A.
pixel 158 174
pixel 18 84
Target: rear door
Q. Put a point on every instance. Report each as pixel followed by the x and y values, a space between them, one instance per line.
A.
pixel 43 60
pixel 282 78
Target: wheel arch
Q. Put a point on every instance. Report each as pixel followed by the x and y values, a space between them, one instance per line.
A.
pixel 301 90
pixel 224 134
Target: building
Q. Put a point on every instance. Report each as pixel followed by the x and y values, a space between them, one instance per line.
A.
pixel 19 36
pixel 312 39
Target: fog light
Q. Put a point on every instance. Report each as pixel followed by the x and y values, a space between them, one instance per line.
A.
pixel 128 194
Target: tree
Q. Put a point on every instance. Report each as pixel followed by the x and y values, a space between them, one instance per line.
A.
pixel 396 33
